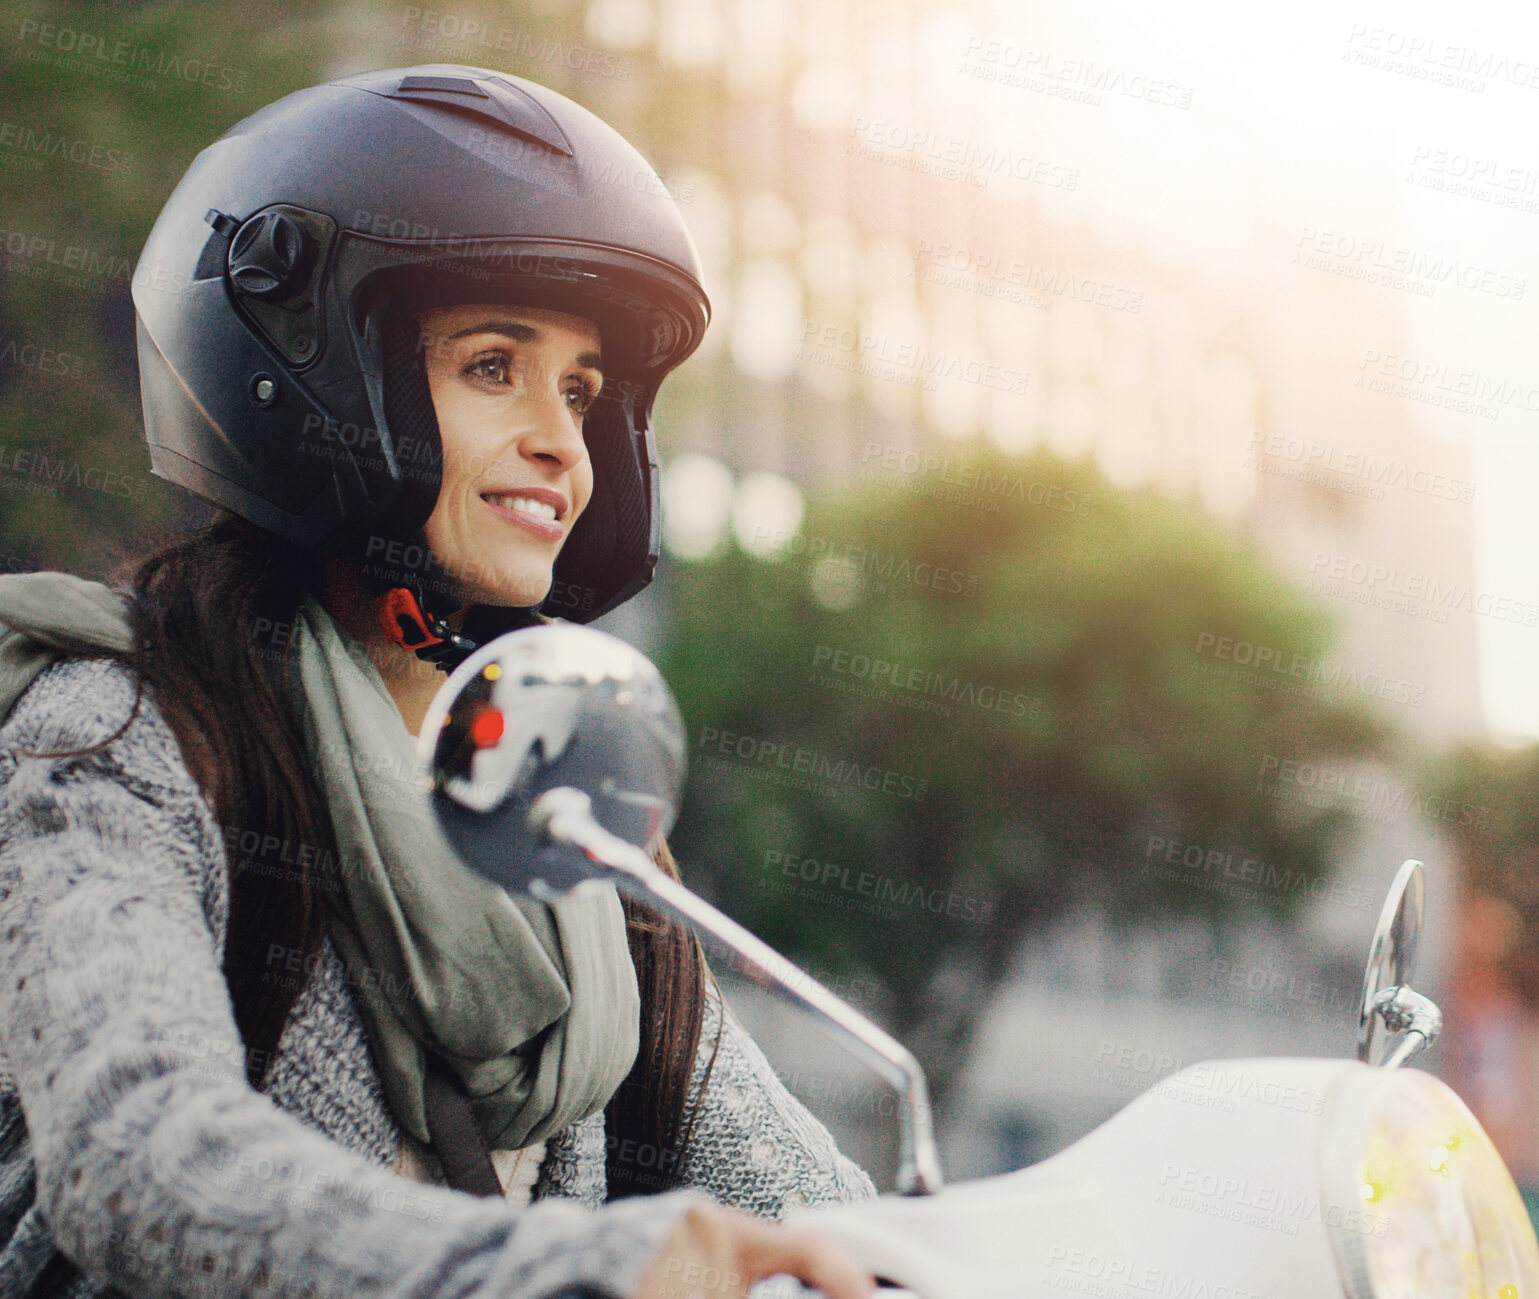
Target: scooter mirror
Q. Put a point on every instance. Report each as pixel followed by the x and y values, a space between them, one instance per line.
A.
pixel 541 708
pixel 1391 957
pixel 555 755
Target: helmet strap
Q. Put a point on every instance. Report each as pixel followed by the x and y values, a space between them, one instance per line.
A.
pixel 414 615
pixel 413 605
pixel 416 631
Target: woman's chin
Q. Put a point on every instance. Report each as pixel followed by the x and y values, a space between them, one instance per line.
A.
pixel 513 590
pixel 497 566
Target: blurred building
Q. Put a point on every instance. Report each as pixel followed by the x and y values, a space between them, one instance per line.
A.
pixel 889 278
pixel 892 278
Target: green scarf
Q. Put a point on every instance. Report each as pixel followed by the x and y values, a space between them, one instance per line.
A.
pixel 534 1006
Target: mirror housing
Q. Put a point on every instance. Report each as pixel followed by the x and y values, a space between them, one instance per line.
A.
pixel 1390 1005
pixel 545 708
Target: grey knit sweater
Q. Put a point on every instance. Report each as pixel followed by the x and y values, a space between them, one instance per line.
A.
pixel 131 1142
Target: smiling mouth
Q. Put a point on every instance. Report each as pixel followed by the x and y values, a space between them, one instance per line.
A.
pixel 530 513
pixel 523 505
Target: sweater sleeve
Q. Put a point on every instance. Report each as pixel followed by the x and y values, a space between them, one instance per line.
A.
pixel 755 1146
pixel 159 1170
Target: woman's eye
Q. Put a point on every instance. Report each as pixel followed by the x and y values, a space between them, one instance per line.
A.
pixel 581 395
pixel 501 369
pixel 493 367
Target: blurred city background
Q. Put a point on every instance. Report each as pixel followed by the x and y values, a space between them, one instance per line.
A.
pixel 1099 522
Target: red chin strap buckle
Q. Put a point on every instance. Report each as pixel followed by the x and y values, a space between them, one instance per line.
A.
pixel 402 618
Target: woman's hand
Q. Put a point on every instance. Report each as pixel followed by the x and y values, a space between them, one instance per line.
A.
pixel 717 1253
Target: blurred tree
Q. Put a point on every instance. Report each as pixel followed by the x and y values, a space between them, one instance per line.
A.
pixel 1489 803
pixel 1044 692
pixel 104 107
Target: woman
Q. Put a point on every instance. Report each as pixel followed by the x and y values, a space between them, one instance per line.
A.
pixel 404 331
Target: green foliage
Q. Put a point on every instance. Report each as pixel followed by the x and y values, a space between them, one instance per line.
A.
pixel 1487 800
pixel 1085 615
pixel 105 107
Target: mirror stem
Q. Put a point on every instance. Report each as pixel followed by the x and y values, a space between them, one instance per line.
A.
pixel 1404 1010
pixel 564 815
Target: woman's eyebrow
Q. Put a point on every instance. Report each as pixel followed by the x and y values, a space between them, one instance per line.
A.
pixel 519 332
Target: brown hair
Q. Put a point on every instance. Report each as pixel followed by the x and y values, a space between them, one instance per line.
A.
pixel 212 613
pixel 648 1118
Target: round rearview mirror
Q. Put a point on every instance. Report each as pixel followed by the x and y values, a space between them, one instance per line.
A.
pixel 538 709
pixel 1391 956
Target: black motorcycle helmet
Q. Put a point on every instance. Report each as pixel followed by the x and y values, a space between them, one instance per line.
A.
pixel 281 366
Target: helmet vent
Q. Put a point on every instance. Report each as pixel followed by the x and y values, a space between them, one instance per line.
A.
pixel 493 99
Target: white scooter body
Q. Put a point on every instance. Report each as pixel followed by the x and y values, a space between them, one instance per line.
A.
pixel 1208 1187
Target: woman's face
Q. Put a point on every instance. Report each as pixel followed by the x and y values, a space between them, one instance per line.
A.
pixel 510 386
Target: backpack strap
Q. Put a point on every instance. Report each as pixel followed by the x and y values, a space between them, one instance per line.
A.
pixel 456 1139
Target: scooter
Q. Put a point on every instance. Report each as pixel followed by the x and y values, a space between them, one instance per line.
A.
pixel 554 755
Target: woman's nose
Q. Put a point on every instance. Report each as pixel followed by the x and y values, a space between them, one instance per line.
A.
pixel 549 429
